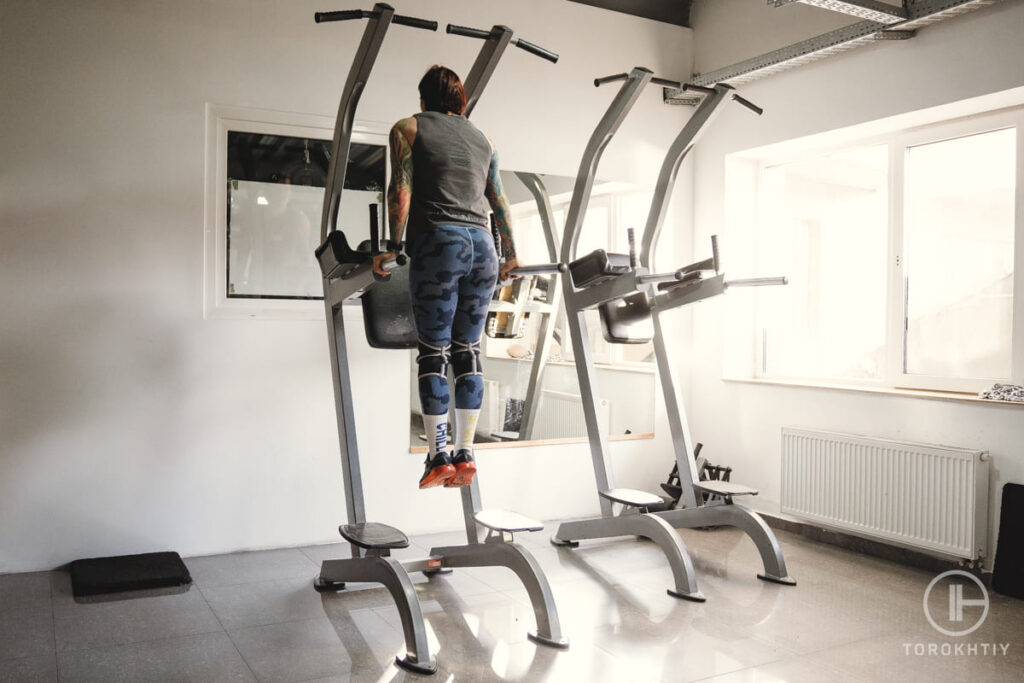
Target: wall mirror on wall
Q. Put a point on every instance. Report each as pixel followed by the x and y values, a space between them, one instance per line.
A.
pixel 531 394
pixel 275 197
pixel 266 173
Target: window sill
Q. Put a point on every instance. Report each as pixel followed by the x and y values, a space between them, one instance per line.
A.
pixel 890 391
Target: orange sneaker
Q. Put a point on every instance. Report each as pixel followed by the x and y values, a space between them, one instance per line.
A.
pixel 439 471
pixel 465 468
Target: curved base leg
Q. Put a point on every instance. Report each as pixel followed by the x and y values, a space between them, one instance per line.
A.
pixel 519 560
pixel 649 526
pixel 389 572
pixel 742 518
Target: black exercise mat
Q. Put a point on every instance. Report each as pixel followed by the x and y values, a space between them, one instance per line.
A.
pixel 1008 574
pixel 102 575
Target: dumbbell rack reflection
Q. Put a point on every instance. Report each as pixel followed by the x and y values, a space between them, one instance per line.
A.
pixel 348 275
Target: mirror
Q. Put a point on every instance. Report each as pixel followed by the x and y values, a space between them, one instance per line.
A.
pixel 533 396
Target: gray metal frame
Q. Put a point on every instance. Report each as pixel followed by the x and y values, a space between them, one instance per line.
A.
pixel 549 316
pixel 652 525
pixel 375 565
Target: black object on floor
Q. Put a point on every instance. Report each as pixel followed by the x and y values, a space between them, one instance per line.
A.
pixel 1008 573
pixel 102 575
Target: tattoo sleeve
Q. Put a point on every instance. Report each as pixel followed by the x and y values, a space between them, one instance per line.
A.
pixel 400 187
pixel 499 205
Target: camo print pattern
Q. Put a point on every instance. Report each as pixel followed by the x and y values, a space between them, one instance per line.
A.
pixel 452 273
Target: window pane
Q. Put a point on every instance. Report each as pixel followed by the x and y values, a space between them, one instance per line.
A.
pixel 823 223
pixel 958 227
pixel 275 200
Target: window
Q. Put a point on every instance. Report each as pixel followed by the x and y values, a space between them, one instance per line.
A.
pixel 900 254
pixel 266 173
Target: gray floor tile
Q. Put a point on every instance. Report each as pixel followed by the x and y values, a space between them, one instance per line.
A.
pixel 21 591
pixel 294 651
pixel 42 669
pixel 206 658
pixel 793 670
pixel 264 565
pixel 106 624
pixel 26 632
pixel 264 602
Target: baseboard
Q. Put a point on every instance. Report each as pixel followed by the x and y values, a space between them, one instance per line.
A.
pixel 866 546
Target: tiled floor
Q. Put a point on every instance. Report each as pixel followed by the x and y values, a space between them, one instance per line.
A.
pixel 255 616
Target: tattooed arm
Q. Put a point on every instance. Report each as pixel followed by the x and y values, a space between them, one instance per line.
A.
pixel 502 216
pixel 402 136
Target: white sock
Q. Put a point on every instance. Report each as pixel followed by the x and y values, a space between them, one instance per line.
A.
pixel 465 428
pixel 436 427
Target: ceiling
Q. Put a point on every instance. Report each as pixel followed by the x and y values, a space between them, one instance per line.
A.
pixel 675 12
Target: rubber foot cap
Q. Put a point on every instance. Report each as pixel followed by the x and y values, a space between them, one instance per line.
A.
pixel 692 597
pixel 322 586
pixel 409 664
pixel 785 580
pixel 561 643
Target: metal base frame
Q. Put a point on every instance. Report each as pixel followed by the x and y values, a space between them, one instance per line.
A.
pixel 744 519
pixel 648 525
pixel 517 558
pixel 392 575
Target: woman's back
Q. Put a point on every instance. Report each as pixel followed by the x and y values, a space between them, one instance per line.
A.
pixel 451 158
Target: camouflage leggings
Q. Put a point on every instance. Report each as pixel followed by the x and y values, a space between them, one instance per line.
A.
pixel 451 279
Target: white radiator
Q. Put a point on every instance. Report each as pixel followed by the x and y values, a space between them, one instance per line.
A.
pixel 927 497
pixel 560 415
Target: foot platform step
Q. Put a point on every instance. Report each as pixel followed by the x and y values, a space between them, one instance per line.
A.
pixel 632 497
pixel 724 488
pixel 503 520
pixel 373 536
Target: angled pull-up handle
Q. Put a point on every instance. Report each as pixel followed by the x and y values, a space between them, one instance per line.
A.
pixel 344 15
pixel 711 91
pixel 541 269
pixel 518 42
pixel 598 82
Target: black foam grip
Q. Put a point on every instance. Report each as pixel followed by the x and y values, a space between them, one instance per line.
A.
pixel 748 104
pixel 698 88
pixel 666 82
pixel 598 82
pixel 467 31
pixel 537 50
pixel 340 15
pixel 414 22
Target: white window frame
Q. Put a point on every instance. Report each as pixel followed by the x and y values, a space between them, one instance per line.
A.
pixel 895 334
pixel 898 139
pixel 220 119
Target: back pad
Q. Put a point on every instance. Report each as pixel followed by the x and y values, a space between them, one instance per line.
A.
pixel 387 313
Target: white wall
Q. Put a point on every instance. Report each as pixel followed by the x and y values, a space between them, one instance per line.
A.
pixel 970 56
pixel 128 423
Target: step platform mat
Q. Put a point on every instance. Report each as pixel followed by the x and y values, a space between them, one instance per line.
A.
pixel 631 497
pixel 104 575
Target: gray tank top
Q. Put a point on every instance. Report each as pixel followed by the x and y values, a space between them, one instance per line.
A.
pixel 451 159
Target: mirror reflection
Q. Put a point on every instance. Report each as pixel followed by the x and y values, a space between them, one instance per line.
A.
pixel 531 393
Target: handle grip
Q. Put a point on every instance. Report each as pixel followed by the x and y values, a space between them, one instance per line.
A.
pixel 698 88
pixel 758 282
pixel 536 50
pixel 541 269
pixel 341 15
pixel 467 31
pixel 666 82
pixel 414 22
pixel 748 104
pixel 598 82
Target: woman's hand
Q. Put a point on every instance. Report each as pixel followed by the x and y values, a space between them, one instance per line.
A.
pixel 506 268
pixel 378 263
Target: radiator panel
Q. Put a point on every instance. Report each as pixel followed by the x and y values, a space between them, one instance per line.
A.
pixel 560 415
pixel 920 496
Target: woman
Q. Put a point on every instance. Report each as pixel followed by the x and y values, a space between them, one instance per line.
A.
pixel 444 177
